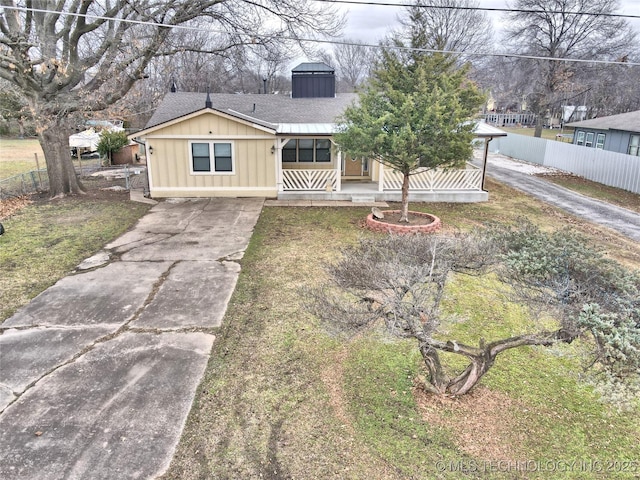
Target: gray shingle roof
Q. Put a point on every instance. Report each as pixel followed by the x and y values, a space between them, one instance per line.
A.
pixel 628 122
pixel 313 67
pixel 267 110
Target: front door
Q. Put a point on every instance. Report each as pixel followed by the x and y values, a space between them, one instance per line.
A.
pixel 355 167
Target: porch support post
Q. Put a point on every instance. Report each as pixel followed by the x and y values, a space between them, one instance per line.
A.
pixel 278 159
pixel 381 177
pixel 339 171
pixel 484 162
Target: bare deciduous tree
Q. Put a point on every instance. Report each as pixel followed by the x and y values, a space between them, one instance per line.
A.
pixel 353 62
pixel 579 29
pixel 401 281
pixel 75 57
pixel 451 25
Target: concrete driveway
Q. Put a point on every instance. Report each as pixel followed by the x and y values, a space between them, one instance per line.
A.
pixel 98 373
pixel 520 175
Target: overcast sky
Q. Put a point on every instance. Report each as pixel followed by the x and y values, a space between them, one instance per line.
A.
pixel 370 23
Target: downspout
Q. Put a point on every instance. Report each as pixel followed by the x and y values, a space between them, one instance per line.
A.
pixel 144 144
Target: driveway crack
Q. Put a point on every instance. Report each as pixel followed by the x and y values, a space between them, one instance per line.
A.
pixel 105 338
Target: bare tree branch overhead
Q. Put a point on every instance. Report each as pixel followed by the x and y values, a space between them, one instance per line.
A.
pixel 455 27
pixel 72 58
pixel 578 29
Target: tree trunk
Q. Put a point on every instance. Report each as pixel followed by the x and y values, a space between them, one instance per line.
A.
pixel 538 131
pixel 21 127
pixel 404 212
pixel 438 379
pixel 481 358
pixel 54 139
pixel 468 379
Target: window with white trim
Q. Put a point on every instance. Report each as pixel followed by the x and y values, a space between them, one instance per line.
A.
pixel 580 138
pixel 600 141
pixel 634 145
pixel 588 142
pixel 211 158
pixel 307 150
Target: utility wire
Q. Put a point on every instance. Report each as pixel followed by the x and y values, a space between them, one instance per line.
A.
pixel 253 36
pixel 484 9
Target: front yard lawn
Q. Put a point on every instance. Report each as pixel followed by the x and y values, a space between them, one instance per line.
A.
pixel 284 397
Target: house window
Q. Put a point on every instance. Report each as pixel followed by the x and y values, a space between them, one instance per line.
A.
pixel 289 151
pixel 307 150
pixel 222 156
pixel 600 141
pixel 634 145
pixel 200 157
pixel 580 138
pixel 589 140
pixel 203 162
pixel 323 150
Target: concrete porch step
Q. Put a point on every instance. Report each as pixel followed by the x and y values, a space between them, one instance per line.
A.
pixel 363 198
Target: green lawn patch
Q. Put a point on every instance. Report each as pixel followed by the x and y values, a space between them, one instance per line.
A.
pixel 284 397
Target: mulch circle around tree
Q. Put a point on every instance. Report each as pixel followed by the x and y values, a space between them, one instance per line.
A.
pixel 418 223
pixel 392 216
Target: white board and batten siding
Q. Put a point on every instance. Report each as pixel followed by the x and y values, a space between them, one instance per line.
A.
pixel 609 168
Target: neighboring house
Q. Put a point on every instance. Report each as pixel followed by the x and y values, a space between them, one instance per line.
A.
pixel 276 146
pixel 616 133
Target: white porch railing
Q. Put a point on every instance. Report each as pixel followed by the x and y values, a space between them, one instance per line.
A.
pixel 309 179
pixel 432 180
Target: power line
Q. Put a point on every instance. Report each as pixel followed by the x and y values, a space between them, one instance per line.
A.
pixel 252 36
pixel 484 9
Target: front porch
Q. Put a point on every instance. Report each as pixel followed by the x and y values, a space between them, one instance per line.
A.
pixel 458 186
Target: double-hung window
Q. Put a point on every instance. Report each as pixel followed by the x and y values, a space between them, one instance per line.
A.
pixel 580 138
pixel 600 141
pixel 211 158
pixel 307 150
pixel 634 145
pixel 589 140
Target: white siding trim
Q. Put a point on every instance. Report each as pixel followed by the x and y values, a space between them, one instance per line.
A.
pixel 144 133
pixel 216 189
pixel 149 165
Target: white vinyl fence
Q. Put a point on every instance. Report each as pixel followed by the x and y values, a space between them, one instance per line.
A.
pixel 609 168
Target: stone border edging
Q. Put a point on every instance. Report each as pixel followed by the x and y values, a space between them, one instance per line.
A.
pixel 382 227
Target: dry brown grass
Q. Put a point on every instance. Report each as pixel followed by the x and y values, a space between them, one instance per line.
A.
pixel 485 423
